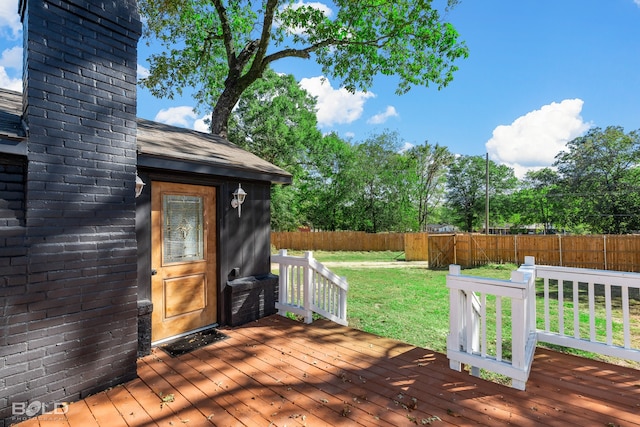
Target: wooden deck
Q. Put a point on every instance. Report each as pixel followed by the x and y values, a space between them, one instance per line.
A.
pixel 282 373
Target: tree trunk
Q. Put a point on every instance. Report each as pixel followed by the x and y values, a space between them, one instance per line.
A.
pixel 222 112
pixel 234 87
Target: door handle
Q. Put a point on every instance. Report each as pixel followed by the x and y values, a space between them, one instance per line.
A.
pixel 154 272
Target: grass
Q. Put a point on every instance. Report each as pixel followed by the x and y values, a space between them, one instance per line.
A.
pixel 408 304
pixel 583 318
pixel 397 304
pixel 411 304
pixel 339 256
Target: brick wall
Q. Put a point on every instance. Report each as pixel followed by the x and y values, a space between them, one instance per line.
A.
pixel 12 175
pixel 13 272
pixel 250 298
pixel 71 329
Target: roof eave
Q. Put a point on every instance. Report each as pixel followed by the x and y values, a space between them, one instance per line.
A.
pixel 13 145
pixel 204 168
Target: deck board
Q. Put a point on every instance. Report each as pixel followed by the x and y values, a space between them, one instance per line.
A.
pixel 279 372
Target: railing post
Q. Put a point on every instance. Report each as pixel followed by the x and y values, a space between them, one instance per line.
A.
pixel 472 304
pixel 519 334
pixel 308 287
pixel 455 319
pixel 523 321
pixel 343 302
pixel 283 291
pixel 530 266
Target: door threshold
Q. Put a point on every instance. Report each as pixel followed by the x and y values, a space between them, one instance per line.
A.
pixel 182 335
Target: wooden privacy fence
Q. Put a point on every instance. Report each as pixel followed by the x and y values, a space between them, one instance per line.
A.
pixel 605 252
pixel 338 241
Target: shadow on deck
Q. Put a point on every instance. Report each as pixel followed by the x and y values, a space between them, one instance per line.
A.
pixel 279 372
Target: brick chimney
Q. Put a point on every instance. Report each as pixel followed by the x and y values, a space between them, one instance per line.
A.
pixel 72 331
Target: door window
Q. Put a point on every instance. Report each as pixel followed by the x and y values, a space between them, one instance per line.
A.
pixel 183 229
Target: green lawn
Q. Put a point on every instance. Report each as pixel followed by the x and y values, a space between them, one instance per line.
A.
pixel 408 304
pixel 411 304
pixel 325 256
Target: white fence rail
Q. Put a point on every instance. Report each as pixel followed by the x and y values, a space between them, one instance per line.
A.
pixel 585 309
pixel 580 307
pixel 307 286
pixel 477 307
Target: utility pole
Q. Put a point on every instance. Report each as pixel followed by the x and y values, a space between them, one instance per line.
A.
pixel 486 204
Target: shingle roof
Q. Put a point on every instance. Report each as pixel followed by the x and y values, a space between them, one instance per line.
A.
pixel 160 144
pixel 164 141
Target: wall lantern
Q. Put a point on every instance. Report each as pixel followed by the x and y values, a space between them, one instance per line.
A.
pixel 238 199
pixel 139 185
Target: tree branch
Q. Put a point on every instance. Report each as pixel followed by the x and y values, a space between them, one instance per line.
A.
pixel 299 53
pixel 227 35
pixel 267 24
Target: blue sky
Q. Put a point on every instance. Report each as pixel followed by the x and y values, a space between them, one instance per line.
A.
pixel 540 73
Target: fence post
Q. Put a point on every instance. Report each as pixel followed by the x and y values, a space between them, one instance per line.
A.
pixel 455 251
pixel 560 247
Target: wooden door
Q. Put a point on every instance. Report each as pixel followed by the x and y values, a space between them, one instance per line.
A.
pixel 183 258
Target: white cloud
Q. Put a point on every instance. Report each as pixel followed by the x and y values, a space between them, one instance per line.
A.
pixel 382 117
pixel 12 58
pixel 203 124
pixel 406 147
pixel 142 72
pixel 335 106
pixel 10 83
pixel 637 2
pixel 183 116
pixel 533 140
pixel 10 25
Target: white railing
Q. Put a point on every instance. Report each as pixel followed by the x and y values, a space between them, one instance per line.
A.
pixel 584 309
pixel 307 287
pixel 589 310
pixel 477 307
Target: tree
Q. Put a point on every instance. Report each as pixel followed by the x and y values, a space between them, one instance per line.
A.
pixel 466 192
pixel 536 202
pixel 429 164
pixel 328 191
pixel 377 182
pixel 600 174
pixel 275 119
pixel 220 48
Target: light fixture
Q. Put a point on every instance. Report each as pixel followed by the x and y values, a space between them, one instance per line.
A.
pixel 139 185
pixel 238 199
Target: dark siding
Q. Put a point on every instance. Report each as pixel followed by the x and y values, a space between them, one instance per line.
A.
pixel 246 240
pixel 243 243
pixel 72 329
